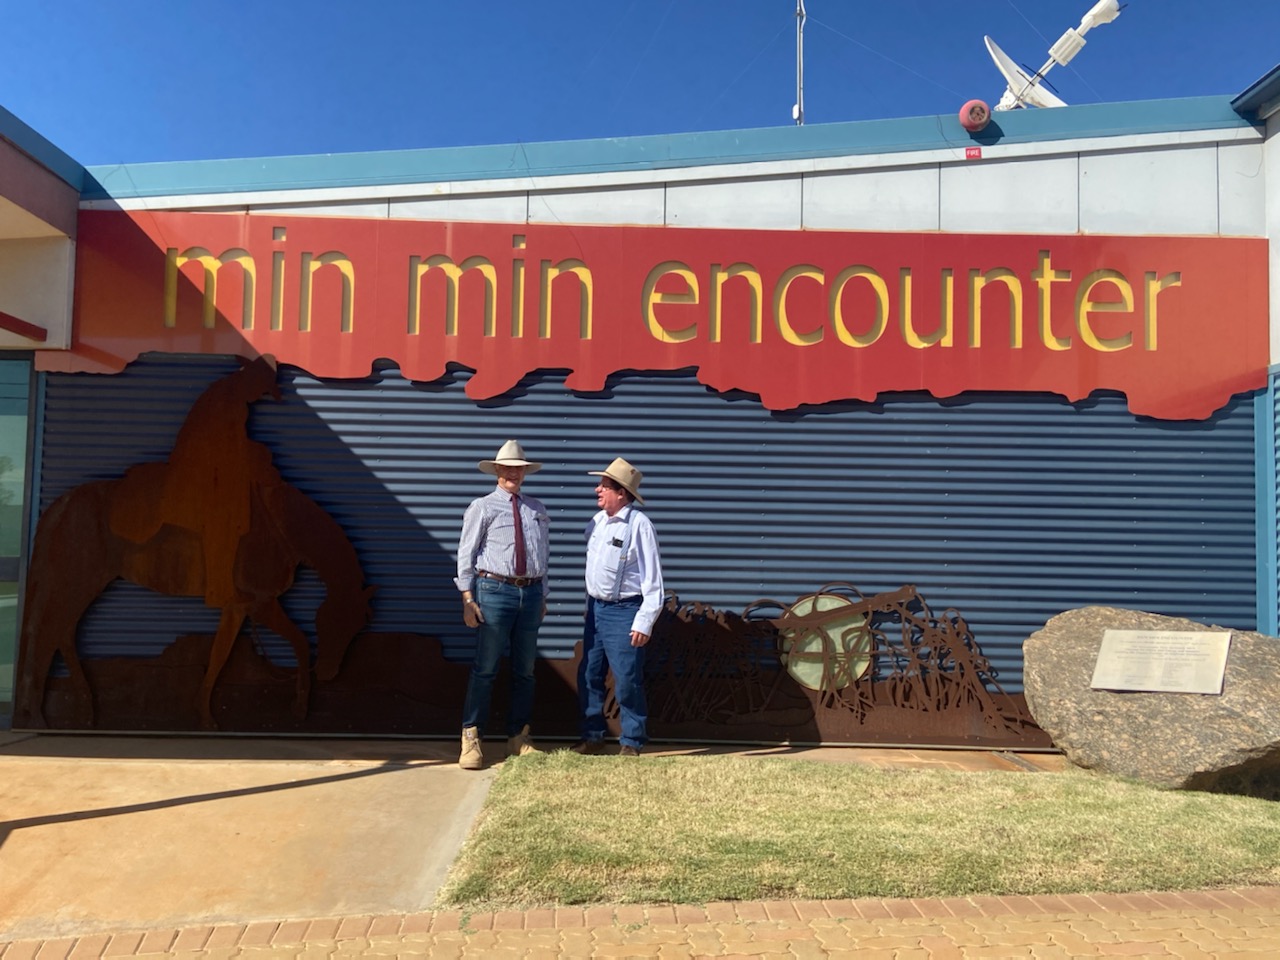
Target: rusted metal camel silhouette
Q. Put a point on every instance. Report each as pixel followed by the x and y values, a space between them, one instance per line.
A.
pixel 216 521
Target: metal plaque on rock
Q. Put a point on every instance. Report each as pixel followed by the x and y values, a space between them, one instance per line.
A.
pixel 1162 661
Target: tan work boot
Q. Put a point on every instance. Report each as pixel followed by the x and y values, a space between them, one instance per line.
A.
pixel 521 744
pixel 471 758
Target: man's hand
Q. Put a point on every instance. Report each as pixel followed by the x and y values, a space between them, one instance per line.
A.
pixel 472 616
pixel 639 639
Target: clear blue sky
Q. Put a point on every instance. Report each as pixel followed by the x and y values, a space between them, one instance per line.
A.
pixel 112 81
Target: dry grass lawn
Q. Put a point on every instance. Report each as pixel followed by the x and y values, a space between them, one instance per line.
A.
pixel 559 828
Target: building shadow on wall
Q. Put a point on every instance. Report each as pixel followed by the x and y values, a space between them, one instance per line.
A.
pixel 156 648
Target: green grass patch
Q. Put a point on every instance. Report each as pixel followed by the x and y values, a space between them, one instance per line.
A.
pixel 560 828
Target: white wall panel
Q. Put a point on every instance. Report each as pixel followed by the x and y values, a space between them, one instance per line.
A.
pixel 644 206
pixel 1172 191
pixel 35 286
pixel 886 200
pixel 376 209
pixel 749 204
pixel 18 223
pixel 1241 190
pixel 1022 196
pixel 487 208
pixel 166 194
pixel 1271 164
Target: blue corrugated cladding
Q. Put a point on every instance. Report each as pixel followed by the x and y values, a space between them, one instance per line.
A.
pixel 1009 508
pixel 1269 503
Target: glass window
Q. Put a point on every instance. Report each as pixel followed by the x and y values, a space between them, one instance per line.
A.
pixel 15 382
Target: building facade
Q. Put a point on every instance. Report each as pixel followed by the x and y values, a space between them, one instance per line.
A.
pixel 1023 371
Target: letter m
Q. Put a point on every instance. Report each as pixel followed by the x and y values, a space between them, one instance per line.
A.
pixel 174 261
pixel 418 268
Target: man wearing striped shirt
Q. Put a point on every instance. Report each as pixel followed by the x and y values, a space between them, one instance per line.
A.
pixel 502 573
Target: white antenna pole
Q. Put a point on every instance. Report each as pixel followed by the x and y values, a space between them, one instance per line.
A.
pixel 1025 90
pixel 797 111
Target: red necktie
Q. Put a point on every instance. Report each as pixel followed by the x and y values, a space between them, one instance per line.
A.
pixel 519 534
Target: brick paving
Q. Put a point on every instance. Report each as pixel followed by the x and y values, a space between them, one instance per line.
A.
pixel 1241 922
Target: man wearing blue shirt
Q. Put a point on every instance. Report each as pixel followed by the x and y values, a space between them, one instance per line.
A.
pixel 502 573
pixel 624 597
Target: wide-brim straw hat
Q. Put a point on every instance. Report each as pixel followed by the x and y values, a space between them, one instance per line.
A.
pixel 510 454
pixel 624 474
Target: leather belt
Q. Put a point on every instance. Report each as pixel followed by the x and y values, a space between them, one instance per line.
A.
pixel 510 581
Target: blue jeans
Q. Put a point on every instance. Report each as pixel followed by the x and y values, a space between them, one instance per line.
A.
pixel 512 616
pixel 606 645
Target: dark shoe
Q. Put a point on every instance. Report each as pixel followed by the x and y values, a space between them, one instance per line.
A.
pixel 627 751
pixel 587 747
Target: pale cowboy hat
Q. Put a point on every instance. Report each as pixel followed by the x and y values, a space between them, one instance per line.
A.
pixel 510 454
pixel 624 474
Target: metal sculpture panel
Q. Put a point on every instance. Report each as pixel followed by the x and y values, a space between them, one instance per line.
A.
pixel 835 667
pixel 215 521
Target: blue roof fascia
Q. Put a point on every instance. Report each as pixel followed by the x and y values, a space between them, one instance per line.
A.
pixel 668 151
pixel 1266 89
pixel 41 150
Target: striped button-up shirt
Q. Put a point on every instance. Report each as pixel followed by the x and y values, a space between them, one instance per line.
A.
pixel 488 538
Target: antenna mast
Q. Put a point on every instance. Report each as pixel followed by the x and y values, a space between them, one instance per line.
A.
pixel 797 111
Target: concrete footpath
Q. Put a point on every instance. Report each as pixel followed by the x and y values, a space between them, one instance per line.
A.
pixel 221 847
pixel 105 834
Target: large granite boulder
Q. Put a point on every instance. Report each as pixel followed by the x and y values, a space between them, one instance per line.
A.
pixel 1225 744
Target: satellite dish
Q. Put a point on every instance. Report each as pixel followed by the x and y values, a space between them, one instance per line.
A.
pixel 1029 93
pixel 1025 90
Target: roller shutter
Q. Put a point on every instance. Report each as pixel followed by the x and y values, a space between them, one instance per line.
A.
pixel 1009 508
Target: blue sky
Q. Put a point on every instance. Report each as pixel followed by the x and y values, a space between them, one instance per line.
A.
pixel 139 80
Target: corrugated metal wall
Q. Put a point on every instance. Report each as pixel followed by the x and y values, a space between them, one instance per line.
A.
pixel 1269 506
pixel 1009 508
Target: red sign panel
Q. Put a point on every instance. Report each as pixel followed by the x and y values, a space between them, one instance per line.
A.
pixel 1179 324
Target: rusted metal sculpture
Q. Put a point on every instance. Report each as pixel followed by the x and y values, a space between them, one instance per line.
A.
pixel 920 662
pixel 832 666
pixel 216 521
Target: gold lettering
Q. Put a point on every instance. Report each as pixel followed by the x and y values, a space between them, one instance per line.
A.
pixel 788 332
pixel 836 309
pixel 586 295
pixel 946 326
pixel 278 235
pixel 312 263
pixel 719 276
pixel 1085 305
pixel 1045 276
pixel 1154 288
pixel 649 296
pixel 174 261
pixel 452 273
pixel 978 280
pixel 517 288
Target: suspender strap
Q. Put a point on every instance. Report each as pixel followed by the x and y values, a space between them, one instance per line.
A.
pixel 622 557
